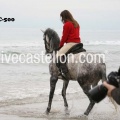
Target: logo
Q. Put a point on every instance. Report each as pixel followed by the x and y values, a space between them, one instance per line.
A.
pixel 7 19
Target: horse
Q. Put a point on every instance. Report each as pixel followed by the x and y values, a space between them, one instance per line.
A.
pixel 86 74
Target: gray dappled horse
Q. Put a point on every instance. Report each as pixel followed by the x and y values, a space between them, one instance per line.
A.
pixel 86 74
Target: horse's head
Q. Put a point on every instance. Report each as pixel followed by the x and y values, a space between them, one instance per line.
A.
pixel 51 40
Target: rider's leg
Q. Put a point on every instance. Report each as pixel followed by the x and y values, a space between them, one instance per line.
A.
pixel 62 64
pixel 61 58
pixel 65 48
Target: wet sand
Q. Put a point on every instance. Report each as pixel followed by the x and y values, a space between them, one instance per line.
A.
pixel 34 111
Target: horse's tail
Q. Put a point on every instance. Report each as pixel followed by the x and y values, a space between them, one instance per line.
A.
pixel 103 67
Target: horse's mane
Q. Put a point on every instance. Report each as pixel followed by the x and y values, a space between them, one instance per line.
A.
pixel 52 35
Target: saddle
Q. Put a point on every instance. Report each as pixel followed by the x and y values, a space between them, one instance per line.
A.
pixel 76 49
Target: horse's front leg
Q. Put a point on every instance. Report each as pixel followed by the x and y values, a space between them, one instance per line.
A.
pixel 53 81
pixel 65 84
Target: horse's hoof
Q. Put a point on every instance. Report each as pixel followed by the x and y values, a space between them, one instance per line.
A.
pixel 47 112
pixel 86 113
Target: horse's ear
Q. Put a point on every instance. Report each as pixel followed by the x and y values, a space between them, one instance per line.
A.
pixel 43 31
pixel 119 71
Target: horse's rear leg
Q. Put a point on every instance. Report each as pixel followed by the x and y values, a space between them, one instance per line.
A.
pixel 65 84
pixel 92 103
pixel 53 81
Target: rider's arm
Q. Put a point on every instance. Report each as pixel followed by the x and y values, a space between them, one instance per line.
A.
pixel 66 31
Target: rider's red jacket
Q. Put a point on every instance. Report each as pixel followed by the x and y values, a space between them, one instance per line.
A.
pixel 70 33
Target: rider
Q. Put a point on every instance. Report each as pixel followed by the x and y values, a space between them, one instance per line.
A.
pixel 71 36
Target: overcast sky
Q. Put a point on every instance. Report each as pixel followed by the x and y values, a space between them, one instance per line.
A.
pixel 91 14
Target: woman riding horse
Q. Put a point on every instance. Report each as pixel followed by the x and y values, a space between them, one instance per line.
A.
pixel 87 74
pixel 70 36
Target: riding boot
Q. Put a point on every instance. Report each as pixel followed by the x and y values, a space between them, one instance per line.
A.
pixel 63 67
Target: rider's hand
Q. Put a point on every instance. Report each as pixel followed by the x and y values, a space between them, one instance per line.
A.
pixel 109 87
